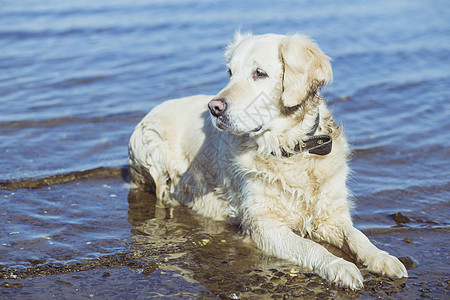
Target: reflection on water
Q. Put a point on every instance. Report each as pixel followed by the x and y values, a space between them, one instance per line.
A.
pixel 77 76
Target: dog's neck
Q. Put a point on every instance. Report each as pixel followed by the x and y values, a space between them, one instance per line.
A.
pixel 300 137
pixel 313 144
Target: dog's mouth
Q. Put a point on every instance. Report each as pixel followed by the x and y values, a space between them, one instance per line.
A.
pixel 221 122
pixel 257 129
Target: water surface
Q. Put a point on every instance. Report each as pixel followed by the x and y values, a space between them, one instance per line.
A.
pixel 77 76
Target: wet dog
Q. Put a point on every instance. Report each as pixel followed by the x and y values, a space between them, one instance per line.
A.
pixel 264 153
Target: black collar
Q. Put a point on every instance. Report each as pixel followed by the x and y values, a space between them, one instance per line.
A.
pixel 313 144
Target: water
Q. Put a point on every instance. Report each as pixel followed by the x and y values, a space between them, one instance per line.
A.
pixel 77 76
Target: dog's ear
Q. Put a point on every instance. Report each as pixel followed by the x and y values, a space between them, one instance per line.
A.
pixel 237 38
pixel 305 69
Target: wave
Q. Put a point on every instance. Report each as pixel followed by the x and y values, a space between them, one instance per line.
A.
pixel 36 183
pixel 81 31
pixel 93 119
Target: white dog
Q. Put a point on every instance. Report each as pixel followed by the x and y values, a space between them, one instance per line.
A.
pixel 264 153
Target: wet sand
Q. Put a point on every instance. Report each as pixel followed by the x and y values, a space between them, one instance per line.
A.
pixel 189 257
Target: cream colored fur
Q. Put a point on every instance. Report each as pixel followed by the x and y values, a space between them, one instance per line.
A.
pixel 232 168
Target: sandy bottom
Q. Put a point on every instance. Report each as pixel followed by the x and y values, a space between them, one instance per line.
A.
pixel 179 255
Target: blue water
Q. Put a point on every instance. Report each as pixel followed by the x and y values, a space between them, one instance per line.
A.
pixel 77 76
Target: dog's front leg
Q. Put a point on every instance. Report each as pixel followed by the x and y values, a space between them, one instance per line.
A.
pixel 376 260
pixel 279 240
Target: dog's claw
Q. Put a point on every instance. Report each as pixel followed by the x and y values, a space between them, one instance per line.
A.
pixel 386 264
pixel 344 274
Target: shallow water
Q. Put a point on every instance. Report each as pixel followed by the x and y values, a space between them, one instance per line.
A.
pixel 77 76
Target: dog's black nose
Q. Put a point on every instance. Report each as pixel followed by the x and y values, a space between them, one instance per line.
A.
pixel 217 107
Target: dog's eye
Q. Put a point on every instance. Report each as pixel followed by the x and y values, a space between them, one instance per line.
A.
pixel 229 72
pixel 259 74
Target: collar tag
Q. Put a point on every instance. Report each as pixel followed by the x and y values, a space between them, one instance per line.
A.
pixel 317 144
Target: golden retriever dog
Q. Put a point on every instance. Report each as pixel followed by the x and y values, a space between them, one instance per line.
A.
pixel 263 153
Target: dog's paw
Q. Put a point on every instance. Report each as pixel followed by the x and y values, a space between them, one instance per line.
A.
pixel 344 274
pixel 386 264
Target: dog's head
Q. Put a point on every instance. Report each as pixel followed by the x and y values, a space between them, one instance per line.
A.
pixel 271 76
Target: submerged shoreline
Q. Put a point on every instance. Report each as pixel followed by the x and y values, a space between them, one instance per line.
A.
pixel 194 257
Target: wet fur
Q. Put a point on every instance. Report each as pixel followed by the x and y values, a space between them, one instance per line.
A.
pixel 238 173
